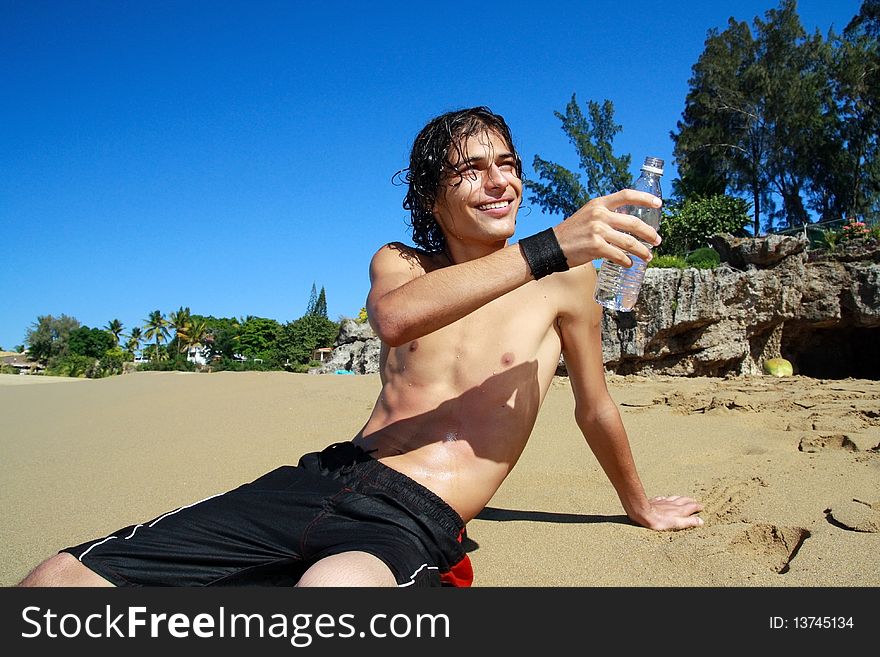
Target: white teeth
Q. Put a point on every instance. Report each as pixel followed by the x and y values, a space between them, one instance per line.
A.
pixel 495 206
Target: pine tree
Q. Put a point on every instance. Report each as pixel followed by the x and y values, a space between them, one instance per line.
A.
pixel 321 305
pixel 313 301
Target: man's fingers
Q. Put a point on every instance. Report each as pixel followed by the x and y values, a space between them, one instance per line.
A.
pixel 622 245
pixel 631 197
pixel 628 224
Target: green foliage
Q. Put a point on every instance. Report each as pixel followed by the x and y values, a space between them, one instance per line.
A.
pixel 668 262
pixel 313 300
pixel 47 338
pixel 692 223
pixel 301 337
pixel 111 362
pixel 7 369
pixel 362 317
pixel 156 352
pixel 156 329
pixel 91 342
pixel 133 343
pixel 75 365
pixel 232 365
pixel 321 305
pixel 830 239
pixel 703 258
pixel 180 320
pixel 258 339
pixel 592 137
pixel 114 328
pixel 317 303
pixel 177 364
pixel 85 365
pixel 789 119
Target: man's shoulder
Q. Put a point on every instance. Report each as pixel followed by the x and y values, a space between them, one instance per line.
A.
pixel 410 255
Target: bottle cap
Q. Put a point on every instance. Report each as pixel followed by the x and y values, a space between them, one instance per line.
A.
pixel 653 165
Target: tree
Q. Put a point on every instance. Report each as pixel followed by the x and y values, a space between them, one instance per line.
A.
pixel 783 117
pixel 299 339
pixel 321 305
pixel 114 328
pixel 258 339
pixel 90 342
pixel 592 137
pixel 156 329
pixel 133 344
pixel 179 321
pixel 193 334
pixel 48 336
pixel 224 336
pixel 690 225
pixel 313 301
pixel 855 181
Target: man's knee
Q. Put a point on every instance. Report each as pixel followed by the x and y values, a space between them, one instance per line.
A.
pixel 63 569
pixel 349 569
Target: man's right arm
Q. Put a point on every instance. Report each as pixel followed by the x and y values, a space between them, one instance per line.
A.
pixel 407 302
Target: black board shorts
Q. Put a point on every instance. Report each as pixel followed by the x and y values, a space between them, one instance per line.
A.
pixel 269 531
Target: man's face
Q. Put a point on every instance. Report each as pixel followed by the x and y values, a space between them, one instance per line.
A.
pixel 480 198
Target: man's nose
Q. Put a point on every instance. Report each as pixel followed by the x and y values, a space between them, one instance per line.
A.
pixel 494 177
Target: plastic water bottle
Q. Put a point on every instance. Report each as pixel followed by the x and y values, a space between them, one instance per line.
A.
pixel 618 287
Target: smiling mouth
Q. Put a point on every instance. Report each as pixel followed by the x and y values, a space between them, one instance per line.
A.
pixel 497 205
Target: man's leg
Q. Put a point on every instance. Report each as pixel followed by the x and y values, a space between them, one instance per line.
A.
pixel 63 570
pixel 349 569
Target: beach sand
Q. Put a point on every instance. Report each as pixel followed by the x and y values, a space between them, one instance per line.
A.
pixel 788 469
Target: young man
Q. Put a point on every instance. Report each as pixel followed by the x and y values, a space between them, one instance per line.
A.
pixel 472 329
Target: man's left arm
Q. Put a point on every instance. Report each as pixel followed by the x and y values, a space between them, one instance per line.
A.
pixel 596 412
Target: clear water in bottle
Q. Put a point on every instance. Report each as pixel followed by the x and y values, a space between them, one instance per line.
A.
pixel 618 287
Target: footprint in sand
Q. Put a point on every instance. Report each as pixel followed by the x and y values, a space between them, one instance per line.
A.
pixel 820 443
pixel 855 515
pixel 771 545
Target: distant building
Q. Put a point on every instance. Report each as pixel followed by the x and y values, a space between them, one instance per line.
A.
pixel 197 355
pixel 21 363
pixel 323 354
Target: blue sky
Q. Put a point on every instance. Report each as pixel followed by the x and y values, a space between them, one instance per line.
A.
pixel 225 156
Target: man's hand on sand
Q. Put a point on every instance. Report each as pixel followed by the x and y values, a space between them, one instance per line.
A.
pixel 672 512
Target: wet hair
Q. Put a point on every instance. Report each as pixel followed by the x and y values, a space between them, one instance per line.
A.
pixel 429 166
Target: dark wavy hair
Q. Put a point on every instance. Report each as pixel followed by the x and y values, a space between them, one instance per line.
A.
pixel 429 166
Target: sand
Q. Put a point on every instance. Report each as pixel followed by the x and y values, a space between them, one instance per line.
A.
pixel 788 469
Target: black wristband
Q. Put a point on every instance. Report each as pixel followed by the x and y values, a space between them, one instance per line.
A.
pixel 543 253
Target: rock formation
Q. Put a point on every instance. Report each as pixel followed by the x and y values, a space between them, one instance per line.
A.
pixel 356 349
pixel 767 299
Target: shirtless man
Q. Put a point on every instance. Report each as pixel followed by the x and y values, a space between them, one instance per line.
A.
pixel 472 328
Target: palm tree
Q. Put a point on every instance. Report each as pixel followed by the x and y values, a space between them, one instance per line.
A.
pixel 157 328
pixel 193 335
pixel 179 321
pixel 134 340
pixel 114 328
